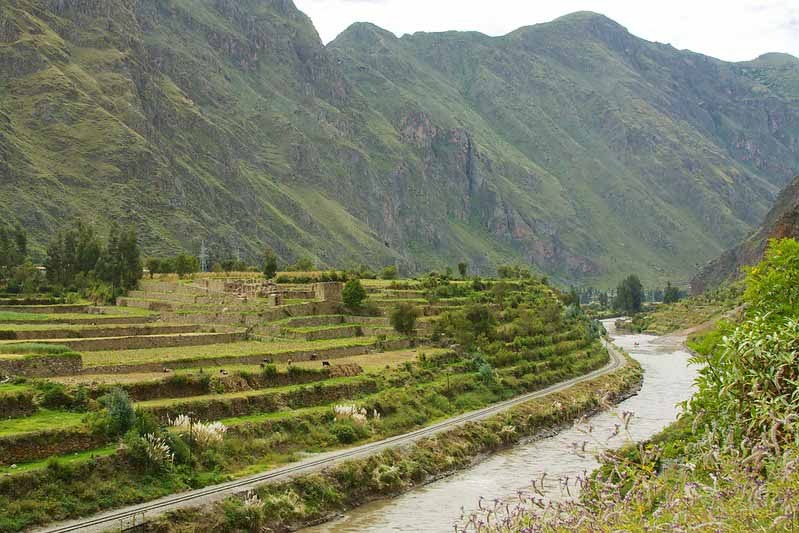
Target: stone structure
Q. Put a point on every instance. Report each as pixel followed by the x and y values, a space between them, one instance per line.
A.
pixel 329 291
pixel 41 366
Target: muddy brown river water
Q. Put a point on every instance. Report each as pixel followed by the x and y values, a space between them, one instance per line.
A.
pixel 668 380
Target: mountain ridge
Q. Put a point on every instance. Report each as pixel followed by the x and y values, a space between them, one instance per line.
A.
pixel 781 222
pixel 583 153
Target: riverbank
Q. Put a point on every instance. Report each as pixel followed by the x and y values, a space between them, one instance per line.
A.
pixel 311 499
pixel 501 476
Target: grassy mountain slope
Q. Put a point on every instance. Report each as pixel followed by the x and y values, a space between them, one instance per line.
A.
pixel 571 145
pixel 781 222
pixel 609 153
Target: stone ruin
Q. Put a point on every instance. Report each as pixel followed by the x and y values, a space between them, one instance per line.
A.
pixel 260 288
pixel 250 288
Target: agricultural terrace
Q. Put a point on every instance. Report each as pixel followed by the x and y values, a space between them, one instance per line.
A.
pixel 186 383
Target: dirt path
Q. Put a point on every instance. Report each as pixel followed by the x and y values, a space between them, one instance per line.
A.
pixel 137 514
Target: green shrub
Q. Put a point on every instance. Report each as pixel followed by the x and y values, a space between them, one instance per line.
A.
pixel 120 415
pixel 390 272
pixel 53 395
pixel 246 515
pixel 145 423
pixel 347 432
pixel 269 371
pixel 486 372
pixel 353 294
pixel 403 318
pixel 150 452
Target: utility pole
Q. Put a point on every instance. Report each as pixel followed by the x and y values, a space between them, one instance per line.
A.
pixel 203 257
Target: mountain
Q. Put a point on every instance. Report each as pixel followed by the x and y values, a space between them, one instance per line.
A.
pixel 572 146
pixel 781 222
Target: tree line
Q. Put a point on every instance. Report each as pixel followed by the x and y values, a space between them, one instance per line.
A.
pixel 78 259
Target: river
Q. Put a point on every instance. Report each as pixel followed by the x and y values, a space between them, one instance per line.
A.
pixel 668 380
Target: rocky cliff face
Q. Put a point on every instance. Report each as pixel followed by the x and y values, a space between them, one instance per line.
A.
pixel 572 146
pixel 781 222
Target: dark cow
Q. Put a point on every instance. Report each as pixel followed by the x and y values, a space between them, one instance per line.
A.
pixel 325 363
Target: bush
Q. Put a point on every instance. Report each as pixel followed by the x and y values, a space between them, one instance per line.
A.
pixel 243 515
pixel 54 395
pixel 390 272
pixel 145 423
pixel 486 372
pixel 269 371
pixel 120 415
pixel 353 294
pixel 149 452
pixel 347 431
pixel 403 318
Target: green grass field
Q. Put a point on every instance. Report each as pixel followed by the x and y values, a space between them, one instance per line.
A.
pixel 41 421
pixel 214 351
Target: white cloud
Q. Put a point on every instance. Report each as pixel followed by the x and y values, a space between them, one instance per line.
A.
pixel 733 30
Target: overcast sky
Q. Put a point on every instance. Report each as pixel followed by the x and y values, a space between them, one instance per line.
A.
pixel 734 30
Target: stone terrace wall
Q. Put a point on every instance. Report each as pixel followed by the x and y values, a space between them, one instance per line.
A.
pixel 44 334
pixel 43 366
pixel 266 402
pixel 251 319
pixel 16 404
pixel 296 356
pixel 156 341
pixel 35 446
pixel 46 309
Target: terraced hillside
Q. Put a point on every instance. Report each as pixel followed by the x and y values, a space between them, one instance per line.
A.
pixel 573 146
pixel 305 376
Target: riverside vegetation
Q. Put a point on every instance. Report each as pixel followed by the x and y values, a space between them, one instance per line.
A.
pixel 730 462
pixel 179 387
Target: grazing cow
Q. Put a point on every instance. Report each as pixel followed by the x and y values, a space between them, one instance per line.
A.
pixel 167 371
pixel 314 357
pixel 289 362
pixel 223 372
pixel 325 363
pixel 267 361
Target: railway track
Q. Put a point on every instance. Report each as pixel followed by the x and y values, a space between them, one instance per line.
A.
pixel 130 517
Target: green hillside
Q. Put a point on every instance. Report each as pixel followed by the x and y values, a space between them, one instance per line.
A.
pixel 571 145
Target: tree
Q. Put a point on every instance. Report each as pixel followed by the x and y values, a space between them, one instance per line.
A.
pixel 390 272
pixel 153 265
pixel 130 264
pixel 88 248
pixel 121 415
pixel 353 294
pixel 186 264
pixel 463 269
pixel 573 298
pixel 603 299
pixel 629 295
pixel 671 294
pixel 270 264
pixel 304 264
pixel 403 318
